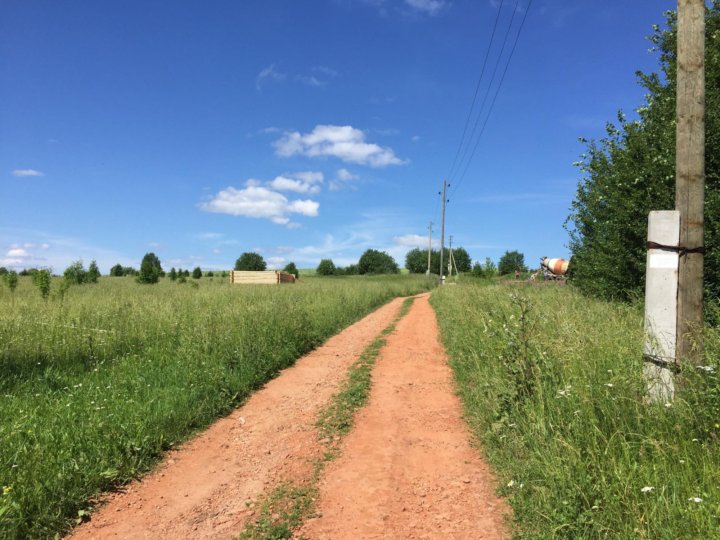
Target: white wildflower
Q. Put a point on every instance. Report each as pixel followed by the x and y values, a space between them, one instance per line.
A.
pixel 647 489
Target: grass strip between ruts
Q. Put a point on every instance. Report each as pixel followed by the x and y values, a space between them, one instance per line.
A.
pixel 290 503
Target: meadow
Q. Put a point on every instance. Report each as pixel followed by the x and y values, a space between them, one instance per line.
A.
pixel 96 383
pixel 552 386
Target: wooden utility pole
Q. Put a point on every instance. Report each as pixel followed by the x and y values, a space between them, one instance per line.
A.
pixel 429 247
pixel 690 176
pixel 442 229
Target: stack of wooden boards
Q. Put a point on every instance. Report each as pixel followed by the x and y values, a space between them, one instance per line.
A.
pixel 264 277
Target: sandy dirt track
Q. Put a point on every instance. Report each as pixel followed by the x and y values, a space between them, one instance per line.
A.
pixel 201 490
pixel 406 470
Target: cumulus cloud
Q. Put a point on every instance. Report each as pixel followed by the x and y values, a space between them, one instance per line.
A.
pixel 411 240
pixel 256 201
pixel 302 182
pixel 19 256
pixel 343 142
pixel 26 173
pixel 430 7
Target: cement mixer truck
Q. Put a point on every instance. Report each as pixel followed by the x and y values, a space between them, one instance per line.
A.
pixel 554 268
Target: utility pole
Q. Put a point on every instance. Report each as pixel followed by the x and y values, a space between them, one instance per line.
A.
pixel 690 176
pixel 450 256
pixel 442 229
pixel 429 246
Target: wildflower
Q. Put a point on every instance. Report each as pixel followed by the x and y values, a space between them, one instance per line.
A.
pixel 707 369
pixel 695 499
pixel 668 405
pixel 511 483
pixel 682 461
pixel 595 507
pixel 609 385
pixel 7 490
pixel 647 489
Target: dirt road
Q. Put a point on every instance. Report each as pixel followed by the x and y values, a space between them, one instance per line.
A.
pixel 405 471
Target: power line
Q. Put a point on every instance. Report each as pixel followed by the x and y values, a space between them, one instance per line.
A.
pixel 477 88
pixel 494 99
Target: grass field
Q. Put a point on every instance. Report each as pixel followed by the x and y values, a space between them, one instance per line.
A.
pixel 96 385
pixel 552 385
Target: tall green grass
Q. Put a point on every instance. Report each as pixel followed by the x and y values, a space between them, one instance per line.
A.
pixel 552 386
pixel 95 385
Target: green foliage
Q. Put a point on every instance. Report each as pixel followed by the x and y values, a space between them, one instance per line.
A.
pixel 477 270
pixel 75 273
pixel 197 273
pixel 290 268
pixel 150 269
pixel 42 280
pixel 510 262
pixel 250 261
pixel 3 271
pixel 210 273
pixel 326 268
pixel 552 385
pixel 172 274
pixel 632 171
pixel 119 270
pixel 94 390
pixel 416 261
pixel 489 268
pixel 93 273
pixel 462 259
pixel 11 280
pixel 377 262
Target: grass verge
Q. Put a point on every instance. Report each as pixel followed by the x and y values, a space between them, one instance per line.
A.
pixel 287 507
pixel 552 385
pixel 95 385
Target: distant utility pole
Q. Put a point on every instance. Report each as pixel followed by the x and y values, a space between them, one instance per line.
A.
pixel 429 246
pixel 442 229
pixel 690 176
pixel 450 256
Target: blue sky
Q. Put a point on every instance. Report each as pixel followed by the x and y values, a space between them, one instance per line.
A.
pixel 300 129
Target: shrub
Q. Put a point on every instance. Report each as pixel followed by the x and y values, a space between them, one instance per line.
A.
pixel 250 261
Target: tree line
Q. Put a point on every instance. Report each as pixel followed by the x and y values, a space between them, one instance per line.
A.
pixel 631 171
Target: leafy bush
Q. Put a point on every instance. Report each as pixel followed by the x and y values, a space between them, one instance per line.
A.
pixel 377 262
pixel 326 268
pixel 250 261
pixel 150 269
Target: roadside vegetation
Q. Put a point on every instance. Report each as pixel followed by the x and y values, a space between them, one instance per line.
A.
pixel 95 385
pixel 552 386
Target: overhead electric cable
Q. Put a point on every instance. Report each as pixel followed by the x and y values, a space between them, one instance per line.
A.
pixel 489 86
pixel 477 88
pixel 497 91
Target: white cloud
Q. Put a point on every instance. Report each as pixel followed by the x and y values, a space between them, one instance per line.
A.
pixel 268 74
pixel 431 7
pixel 343 142
pixel 26 173
pixel 411 241
pixel 302 182
pixel 343 180
pixel 17 252
pixel 255 201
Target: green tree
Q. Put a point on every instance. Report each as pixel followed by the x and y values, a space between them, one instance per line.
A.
pixel 197 273
pixel 250 261
pixel 93 273
pixel 150 269
pixel 489 268
pixel 377 262
pixel 462 259
pixel 510 262
pixel 117 270
pixel 75 274
pixel 326 268
pixel 172 274
pixel 11 280
pixel 416 261
pixel 290 268
pixel 42 280
pixel 631 171
pixel 477 270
